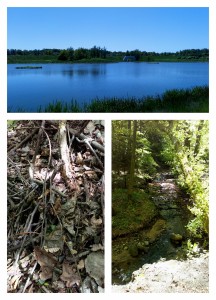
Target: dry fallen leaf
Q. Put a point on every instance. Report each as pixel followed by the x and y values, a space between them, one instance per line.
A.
pixel 81 264
pixel 57 206
pixel 43 258
pixel 96 247
pixel 96 222
pixel 46 273
pixel 94 264
pixel 46 262
pixel 69 275
pixel 31 289
pixel 79 159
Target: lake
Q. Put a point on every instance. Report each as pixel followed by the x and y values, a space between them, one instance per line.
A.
pixel 31 88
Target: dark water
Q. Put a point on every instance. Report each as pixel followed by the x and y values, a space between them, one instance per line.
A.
pixel 30 88
pixel 170 203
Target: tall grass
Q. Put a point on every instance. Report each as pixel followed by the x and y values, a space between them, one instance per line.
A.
pixel 59 106
pixel 177 100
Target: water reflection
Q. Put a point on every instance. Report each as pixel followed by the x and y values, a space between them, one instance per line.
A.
pixel 58 69
pixel 92 71
pixel 88 81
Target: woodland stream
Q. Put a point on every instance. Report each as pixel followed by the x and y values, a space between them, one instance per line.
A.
pixel 154 243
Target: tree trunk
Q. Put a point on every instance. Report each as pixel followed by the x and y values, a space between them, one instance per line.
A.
pixel 133 159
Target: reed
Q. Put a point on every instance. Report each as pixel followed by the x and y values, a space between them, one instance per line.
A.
pixel 176 100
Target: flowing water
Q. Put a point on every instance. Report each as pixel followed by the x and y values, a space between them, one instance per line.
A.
pixel 172 209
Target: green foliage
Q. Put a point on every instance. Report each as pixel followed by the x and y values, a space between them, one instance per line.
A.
pixel 192 249
pixel 181 145
pixel 11 124
pixel 187 152
pixel 59 106
pixel 144 164
pixel 64 55
pixel 189 100
pixel 51 55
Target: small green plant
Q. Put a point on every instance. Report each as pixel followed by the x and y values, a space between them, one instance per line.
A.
pixel 192 249
pixel 11 123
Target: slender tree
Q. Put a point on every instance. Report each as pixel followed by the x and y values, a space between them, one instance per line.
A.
pixel 132 160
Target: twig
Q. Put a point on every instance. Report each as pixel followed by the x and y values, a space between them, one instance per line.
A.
pixel 94 144
pixel 38 141
pixel 27 229
pixel 51 187
pixel 45 289
pixel 102 197
pixel 18 171
pixel 29 277
pixel 56 169
pixel 64 150
pixel 86 141
pixel 44 185
pixel 24 140
pixel 27 242
pixel 77 131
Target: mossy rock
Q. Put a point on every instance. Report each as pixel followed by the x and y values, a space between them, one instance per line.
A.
pixel 156 230
pixel 142 247
pixel 176 238
pixel 122 259
pixel 133 250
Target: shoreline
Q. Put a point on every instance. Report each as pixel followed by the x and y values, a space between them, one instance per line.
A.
pixel 195 99
pixel 103 62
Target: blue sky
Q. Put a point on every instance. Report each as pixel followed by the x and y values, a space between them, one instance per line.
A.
pixel 116 29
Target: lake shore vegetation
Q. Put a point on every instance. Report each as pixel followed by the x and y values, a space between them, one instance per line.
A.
pixel 101 55
pixel 185 100
pixel 177 100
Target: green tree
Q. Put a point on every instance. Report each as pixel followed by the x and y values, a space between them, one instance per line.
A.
pixel 64 55
pixel 81 53
pixel 70 54
pixel 186 149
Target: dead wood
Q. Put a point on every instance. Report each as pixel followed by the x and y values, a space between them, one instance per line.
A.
pixel 55 204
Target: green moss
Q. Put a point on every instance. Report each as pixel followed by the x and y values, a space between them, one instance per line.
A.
pixel 131 215
pixel 156 230
pixel 133 250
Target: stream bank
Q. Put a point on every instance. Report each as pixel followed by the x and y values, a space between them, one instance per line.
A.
pixel 173 276
pixel 163 237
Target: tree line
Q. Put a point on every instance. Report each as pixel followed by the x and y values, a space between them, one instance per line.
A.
pixel 71 54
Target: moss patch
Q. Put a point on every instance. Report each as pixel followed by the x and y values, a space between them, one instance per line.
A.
pixel 131 215
pixel 156 230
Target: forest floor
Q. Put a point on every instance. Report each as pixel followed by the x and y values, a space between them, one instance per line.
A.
pixel 172 276
pixel 55 206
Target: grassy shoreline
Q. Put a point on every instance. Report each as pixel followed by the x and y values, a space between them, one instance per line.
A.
pixel 177 100
pixel 17 59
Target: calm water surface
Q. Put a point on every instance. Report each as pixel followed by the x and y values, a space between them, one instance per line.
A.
pixel 31 88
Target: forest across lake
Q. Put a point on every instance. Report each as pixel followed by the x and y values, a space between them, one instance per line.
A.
pixel 160 206
pixel 98 54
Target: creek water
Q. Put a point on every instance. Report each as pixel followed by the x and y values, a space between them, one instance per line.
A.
pixel 170 202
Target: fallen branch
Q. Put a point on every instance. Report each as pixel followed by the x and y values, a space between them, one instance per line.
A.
pixel 94 144
pixel 24 140
pixel 86 141
pixel 38 141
